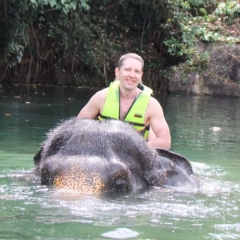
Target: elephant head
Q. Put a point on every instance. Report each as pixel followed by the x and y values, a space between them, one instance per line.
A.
pixel 93 156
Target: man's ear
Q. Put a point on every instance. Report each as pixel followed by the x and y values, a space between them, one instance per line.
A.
pixel 116 72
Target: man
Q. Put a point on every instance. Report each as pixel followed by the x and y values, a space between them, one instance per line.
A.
pixel 125 100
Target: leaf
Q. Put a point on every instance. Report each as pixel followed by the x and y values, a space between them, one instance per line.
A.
pixel 203 11
pixel 52 3
pixel 73 5
pixel 85 5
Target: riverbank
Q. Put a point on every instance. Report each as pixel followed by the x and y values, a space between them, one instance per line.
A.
pixel 220 77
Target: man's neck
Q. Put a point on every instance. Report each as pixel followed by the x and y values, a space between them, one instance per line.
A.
pixel 129 94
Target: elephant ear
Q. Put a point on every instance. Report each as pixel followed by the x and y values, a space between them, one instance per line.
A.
pixel 37 158
pixel 179 160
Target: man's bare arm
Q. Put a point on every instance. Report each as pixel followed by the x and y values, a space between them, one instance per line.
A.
pixel 94 105
pixel 159 135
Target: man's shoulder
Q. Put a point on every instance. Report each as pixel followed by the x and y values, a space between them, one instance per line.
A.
pixel 153 100
pixel 101 93
pixel 99 97
pixel 154 103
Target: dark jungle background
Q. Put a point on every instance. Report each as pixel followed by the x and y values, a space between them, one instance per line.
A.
pixel 77 42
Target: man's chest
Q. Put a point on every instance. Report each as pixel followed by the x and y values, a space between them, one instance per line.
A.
pixel 125 106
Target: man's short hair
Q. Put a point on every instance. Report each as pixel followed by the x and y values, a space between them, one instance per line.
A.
pixel 130 55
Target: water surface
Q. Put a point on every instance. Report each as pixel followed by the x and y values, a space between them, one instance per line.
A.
pixel 31 211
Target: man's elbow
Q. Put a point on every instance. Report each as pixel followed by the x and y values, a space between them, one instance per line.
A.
pixel 79 116
pixel 168 142
pixel 168 145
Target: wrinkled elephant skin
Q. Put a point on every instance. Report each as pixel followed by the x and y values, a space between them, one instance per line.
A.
pixel 92 156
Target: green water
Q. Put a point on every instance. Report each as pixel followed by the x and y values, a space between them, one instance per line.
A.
pixel 31 211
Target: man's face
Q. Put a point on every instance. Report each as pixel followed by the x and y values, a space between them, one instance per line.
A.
pixel 130 73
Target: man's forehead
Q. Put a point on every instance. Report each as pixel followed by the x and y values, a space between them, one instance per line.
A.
pixel 132 62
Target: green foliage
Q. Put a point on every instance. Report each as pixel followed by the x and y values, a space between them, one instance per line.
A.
pixel 63 41
pixel 204 27
pixel 14 39
pixel 229 11
pixel 63 5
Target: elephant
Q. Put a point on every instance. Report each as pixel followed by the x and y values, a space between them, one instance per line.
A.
pixel 94 156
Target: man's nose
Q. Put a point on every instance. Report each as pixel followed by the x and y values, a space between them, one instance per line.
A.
pixel 132 73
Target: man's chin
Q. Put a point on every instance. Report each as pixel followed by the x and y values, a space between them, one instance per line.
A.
pixel 130 86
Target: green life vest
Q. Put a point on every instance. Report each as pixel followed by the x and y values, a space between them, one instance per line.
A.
pixel 136 112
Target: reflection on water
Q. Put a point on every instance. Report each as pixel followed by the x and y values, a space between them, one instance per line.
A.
pixel 29 210
pixel 207 212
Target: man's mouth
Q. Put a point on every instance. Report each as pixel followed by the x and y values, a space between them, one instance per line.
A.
pixel 130 81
